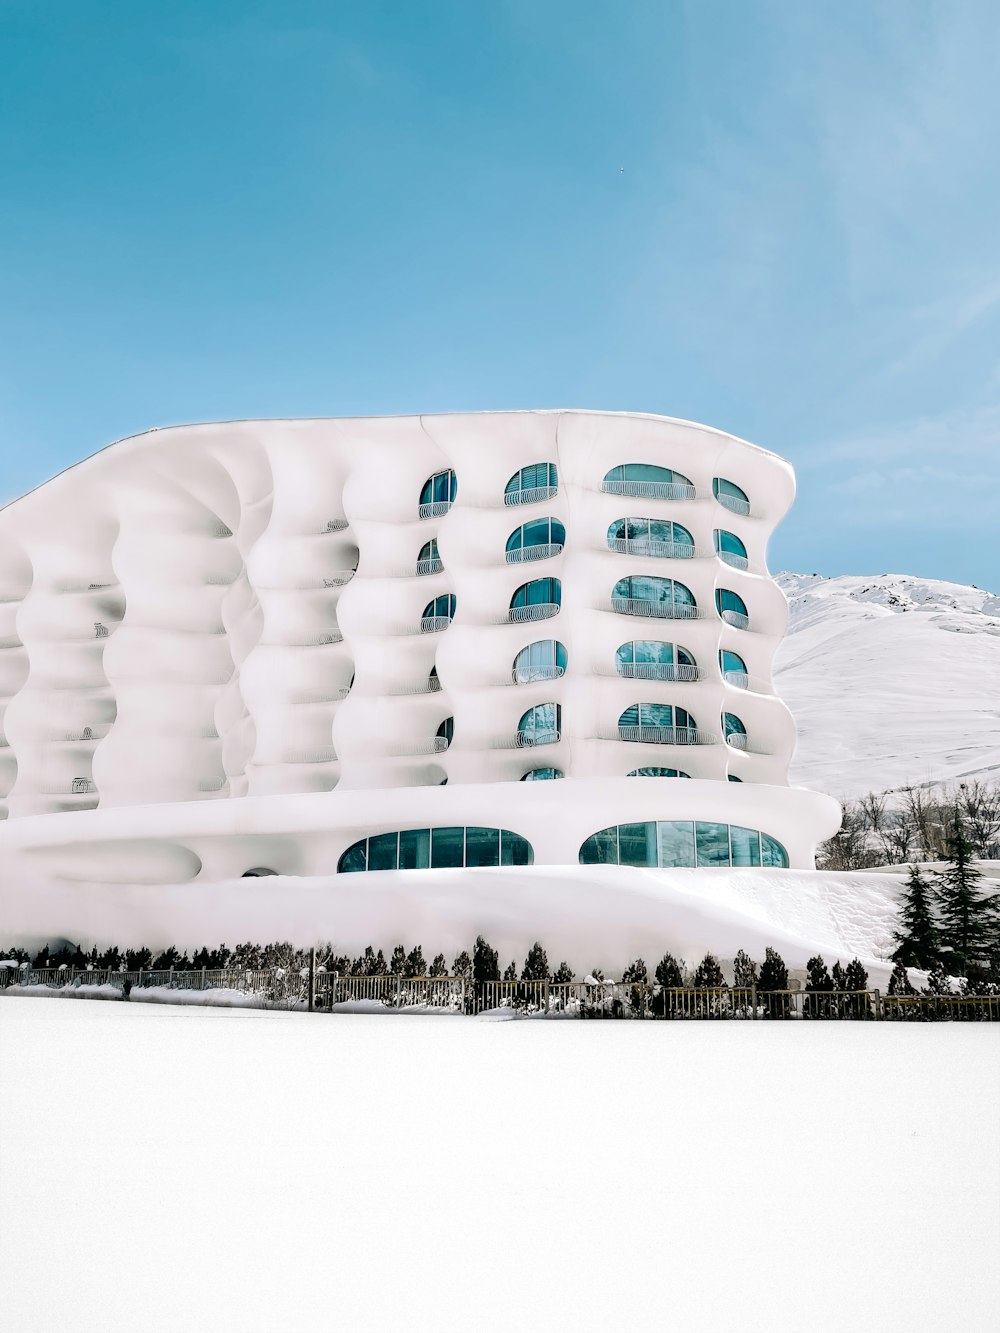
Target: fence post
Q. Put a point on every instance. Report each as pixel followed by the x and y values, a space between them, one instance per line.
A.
pixel 753 999
pixel 548 997
pixel 170 979
pixel 878 1004
pixel 399 988
pixel 312 980
pixel 203 978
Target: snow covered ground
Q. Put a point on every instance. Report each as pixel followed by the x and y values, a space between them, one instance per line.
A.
pixel 891 680
pixel 268 1172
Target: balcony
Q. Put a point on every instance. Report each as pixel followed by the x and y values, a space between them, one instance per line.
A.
pixel 528 740
pixel 662 736
pixel 734 504
pixel 519 615
pixel 739 741
pixel 731 558
pixel 426 745
pixel 340 579
pixel 650 490
pixel 636 606
pixel 335 524
pixel 540 552
pixel 736 619
pixel 434 624
pixel 530 675
pixel 434 508
pixel 432 566
pixel 333 636
pixel 659 550
pixel 674 671
pixel 531 495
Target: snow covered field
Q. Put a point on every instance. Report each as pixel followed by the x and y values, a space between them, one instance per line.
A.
pixel 265 1172
pixel 891 680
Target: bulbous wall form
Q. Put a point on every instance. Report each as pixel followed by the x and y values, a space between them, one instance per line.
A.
pixel 265 609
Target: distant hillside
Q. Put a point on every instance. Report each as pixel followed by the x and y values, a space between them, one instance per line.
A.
pixel 891 680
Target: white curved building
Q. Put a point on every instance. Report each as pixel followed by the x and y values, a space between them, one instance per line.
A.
pixel 298 646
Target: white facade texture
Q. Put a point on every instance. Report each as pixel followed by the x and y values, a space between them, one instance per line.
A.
pixel 250 645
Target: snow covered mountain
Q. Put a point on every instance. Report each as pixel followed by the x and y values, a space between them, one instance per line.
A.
pixel 891 680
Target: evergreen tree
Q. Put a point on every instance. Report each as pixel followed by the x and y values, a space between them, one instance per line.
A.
pixel 462 966
pixel 167 959
pixel 708 974
pixel 937 981
pixel 41 958
pixel 415 965
pixel 439 968
pixel 485 962
pixel 899 982
pixel 917 940
pixel 968 916
pixel 137 958
pixel 668 972
pixel 838 976
pixel 511 972
pixel 397 964
pixel 563 973
pixel 819 978
pixel 855 976
pixel 636 973
pixel 744 971
pixel 536 965
pixel 773 972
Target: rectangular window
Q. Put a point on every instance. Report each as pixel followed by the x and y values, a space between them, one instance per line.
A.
pixel 637 844
pixel 746 846
pixel 514 850
pixel 383 852
pixel 415 849
pixel 676 839
pixel 482 847
pixel 447 847
pixel 601 849
pixel 712 844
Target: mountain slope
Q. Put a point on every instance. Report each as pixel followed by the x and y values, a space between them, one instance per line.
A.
pixel 891 680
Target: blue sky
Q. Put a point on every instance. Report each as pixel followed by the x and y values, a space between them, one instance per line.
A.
pixel 240 208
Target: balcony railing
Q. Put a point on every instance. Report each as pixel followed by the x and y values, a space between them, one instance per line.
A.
pixel 531 495
pixel 675 671
pixel 731 558
pixel 650 490
pixel 540 552
pixel 517 615
pixel 434 508
pixel 425 745
pixel 336 524
pixel 434 624
pixel 339 579
pixel 529 675
pixel 660 550
pixel 529 740
pixel 429 686
pixel 734 503
pixel 738 741
pixel 665 735
pixel 332 636
pixel 637 606
pixel 433 566
pixel 738 678
pixel 735 618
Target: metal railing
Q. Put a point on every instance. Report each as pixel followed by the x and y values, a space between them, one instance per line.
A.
pixel 735 618
pixel 339 579
pixel 318 989
pixel 434 508
pixel 530 495
pixel 540 552
pixel 517 615
pixel 528 740
pixel 734 503
pixel 650 490
pixel 660 550
pixel 82 786
pixel 640 606
pixel 336 524
pixel 332 636
pixel 424 745
pixel 531 674
pixel 431 685
pixel 737 561
pixel 222 530
pixel 434 566
pixel 664 735
pixel 433 624
pixel 675 671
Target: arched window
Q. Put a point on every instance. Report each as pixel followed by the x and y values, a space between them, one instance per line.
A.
pixel 446 732
pixel 657 773
pixel 433 683
pixel 657 724
pixel 438 613
pixel 733 667
pixel 540 481
pixel 734 731
pixel 536 540
pixel 438 494
pixel 536 600
pixel 645 595
pixel 651 536
pixel 650 659
pixel 732 496
pixel 437 849
pixel 728 547
pixel 541 725
pixel 732 778
pixel 682 843
pixel 542 774
pixel 732 608
pixel 429 561
pixel 649 481
pixel 544 660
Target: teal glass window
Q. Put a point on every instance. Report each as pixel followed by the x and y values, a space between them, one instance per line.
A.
pixel 383 852
pixel 650 535
pixel 712 844
pixel 727 543
pixel 514 850
pixel 732 725
pixel 539 592
pixel 646 472
pixel 442 607
pixel 541 723
pixel 482 847
pixel 745 845
pixel 544 660
pixel 771 852
pixel 415 849
pixel 723 489
pixel 656 715
pixel 539 532
pixel 438 848
pixel 649 588
pixel 657 773
pixel 355 858
pixel 440 488
pixel 675 843
pixel 537 476
pixel 447 848
pixel 730 661
pixel 726 600
pixel 733 778
pixel 682 843
pixel 447 730
pixel 542 775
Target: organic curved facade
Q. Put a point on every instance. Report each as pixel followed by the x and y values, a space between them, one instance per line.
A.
pixel 219 641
